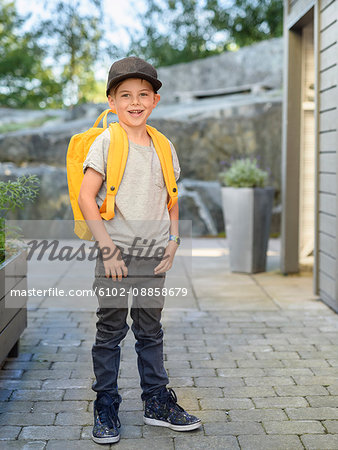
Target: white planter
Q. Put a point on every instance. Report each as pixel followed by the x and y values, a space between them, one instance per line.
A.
pixel 247 218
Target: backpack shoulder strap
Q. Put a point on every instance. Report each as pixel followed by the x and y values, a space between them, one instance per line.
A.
pixel 104 115
pixel 163 149
pixel 116 163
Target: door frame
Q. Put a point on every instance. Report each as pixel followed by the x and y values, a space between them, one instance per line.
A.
pixel 291 141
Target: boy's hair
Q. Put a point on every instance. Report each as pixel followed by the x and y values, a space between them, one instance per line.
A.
pixel 113 90
pixel 132 67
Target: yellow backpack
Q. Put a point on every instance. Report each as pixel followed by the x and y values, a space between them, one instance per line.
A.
pixel 117 157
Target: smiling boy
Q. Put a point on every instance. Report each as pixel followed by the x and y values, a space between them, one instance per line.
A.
pixel 142 225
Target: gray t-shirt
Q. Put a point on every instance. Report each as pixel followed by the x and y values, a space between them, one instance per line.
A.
pixel 141 223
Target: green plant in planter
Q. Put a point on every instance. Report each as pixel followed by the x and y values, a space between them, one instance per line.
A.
pixel 244 173
pixel 13 194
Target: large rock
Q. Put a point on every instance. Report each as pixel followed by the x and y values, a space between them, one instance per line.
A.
pixel 205 144
pixel 40 145
pixel 27 116
pixel 201 203
pixel 258 63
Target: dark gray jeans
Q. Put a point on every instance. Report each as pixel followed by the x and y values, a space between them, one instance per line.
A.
pixel 147 305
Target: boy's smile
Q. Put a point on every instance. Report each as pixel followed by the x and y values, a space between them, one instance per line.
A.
pixel 136 112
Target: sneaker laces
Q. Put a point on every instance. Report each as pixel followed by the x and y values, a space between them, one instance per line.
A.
pixel 108 415
pixel 169 398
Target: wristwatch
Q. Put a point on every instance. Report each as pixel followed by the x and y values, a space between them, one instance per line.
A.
pixel 172 237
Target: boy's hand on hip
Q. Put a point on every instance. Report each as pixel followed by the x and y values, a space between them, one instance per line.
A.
pixel 167 259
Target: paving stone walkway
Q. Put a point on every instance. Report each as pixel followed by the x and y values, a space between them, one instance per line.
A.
pixel 255 357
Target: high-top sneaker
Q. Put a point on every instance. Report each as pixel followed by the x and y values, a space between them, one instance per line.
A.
pixel 162 410
pixel 106 420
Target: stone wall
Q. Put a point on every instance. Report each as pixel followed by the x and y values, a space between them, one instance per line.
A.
pixel 204 143
pixel 257 63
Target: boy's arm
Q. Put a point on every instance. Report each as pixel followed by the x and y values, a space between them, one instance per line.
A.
pixel 90 186
pixel 172 246
pixel 174 215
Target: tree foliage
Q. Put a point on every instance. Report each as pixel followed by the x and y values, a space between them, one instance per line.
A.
pixel 71 41
pixel 75 38
pixel 25 81
pixel 177 31
pixel 248 21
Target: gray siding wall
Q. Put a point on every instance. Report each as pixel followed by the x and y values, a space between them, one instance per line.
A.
pixel 327 181
pixel 327 158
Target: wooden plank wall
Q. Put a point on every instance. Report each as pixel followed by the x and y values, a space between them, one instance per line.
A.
pixel 327 128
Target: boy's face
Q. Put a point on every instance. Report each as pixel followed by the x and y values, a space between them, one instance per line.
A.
pixel 134 101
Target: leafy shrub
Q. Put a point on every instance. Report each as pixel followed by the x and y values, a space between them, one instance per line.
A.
pixel 13 195
pixel 244 173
